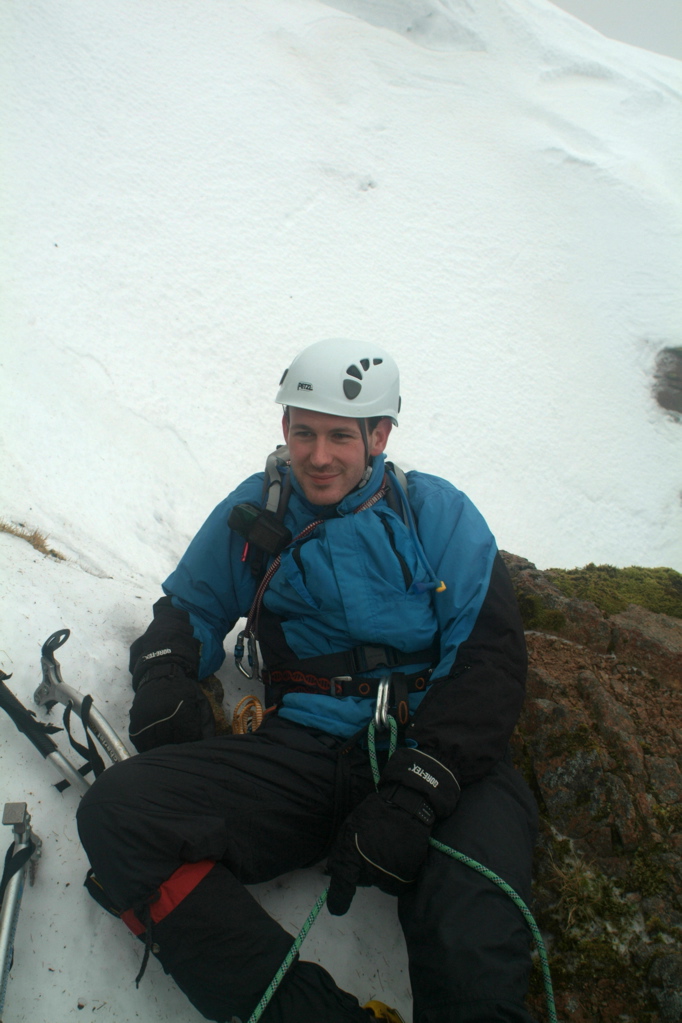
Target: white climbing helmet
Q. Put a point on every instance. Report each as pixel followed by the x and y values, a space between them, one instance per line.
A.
pixel 357 379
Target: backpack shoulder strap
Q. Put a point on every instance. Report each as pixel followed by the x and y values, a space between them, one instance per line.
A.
pixel 393 499
pixel 273 491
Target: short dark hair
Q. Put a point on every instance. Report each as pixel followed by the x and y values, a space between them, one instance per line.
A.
pixel 371 423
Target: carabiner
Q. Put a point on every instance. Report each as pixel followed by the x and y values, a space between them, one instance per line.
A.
pixel 252 655
pixel 383 699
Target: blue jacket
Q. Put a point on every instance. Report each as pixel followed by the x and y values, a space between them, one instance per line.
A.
pixel 372 578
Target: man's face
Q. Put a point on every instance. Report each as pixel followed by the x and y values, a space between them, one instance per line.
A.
pixel 328 453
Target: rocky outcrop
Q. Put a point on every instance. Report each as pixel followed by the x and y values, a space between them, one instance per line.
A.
pixel 668 380
pixel 600 741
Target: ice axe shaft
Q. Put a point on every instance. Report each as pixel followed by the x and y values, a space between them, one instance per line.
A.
pixel 39 734
pixel 21 858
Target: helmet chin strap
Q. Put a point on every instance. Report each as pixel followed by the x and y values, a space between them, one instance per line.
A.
pixel 362 424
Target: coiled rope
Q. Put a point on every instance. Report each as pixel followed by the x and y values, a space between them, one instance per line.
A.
pixel 448 851
pixel 247 715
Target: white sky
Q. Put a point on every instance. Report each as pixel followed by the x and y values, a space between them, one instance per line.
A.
pixel 652 24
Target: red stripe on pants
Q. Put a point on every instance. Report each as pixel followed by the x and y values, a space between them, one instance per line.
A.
pixel 171 893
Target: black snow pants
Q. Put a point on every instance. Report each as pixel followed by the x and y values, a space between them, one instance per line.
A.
pixel 175 834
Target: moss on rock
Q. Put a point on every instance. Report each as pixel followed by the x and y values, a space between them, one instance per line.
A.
pixel 536 616
pixel 613 589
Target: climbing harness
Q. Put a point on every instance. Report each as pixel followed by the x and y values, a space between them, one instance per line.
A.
pixel 265 534
pixel 381 721
pixel 249 633
pixel 296 680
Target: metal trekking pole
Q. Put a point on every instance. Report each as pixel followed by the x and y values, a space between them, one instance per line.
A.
pixel 21 859
pixel 53 690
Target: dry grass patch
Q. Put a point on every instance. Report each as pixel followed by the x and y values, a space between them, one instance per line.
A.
pixel 37 539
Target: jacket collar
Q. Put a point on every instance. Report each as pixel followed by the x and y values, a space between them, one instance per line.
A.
pixel 351 501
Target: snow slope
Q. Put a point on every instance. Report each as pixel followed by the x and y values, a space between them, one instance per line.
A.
pixel 192 194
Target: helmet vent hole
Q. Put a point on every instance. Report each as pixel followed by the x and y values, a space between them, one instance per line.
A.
pixel 365 364
pixel 351 388
pixel 353 371
pixel 377 362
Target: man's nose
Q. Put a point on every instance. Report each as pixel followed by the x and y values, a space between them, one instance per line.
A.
pixel 320 454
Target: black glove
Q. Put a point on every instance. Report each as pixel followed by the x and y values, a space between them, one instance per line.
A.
pixel 169 706
pixel 379 844
pixel 384 841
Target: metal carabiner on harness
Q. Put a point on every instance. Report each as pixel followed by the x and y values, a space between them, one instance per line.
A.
pixel 251 655
pixel 383 700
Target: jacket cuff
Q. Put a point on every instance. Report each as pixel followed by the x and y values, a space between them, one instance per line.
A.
pixel 169 639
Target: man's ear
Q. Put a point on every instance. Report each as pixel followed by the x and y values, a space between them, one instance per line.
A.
pixel 378 438
pixel 285 427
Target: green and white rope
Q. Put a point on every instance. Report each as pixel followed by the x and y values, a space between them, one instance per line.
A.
pixel 371 745
pixel 485 871
pixel 289 958
pixel 448 851
pixel 518 901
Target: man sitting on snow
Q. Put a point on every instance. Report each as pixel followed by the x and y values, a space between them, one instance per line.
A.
pixel 374 601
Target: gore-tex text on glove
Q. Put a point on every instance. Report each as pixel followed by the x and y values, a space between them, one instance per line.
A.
pixel 169 639
pixel 414 769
